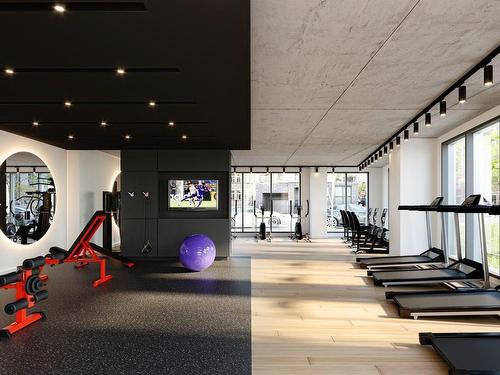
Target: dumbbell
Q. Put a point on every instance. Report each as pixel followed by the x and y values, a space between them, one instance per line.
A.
pixel 13 307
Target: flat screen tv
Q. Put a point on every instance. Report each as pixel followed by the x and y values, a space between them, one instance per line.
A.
pixel 193 194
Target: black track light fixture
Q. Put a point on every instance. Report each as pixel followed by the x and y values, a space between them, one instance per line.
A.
pixel 398 141
pixel 442 108
pixel 251 169
pixel 376 157
pixel 385 150
pixel 406 135
pixel 391 146
pixel 428 119
pixel 316 170
pixel 462 94
pixel 284 169
pixel 267 169
pixel 234 169
pixel 300 169
pixel 488 75
pixel 380 152
pixel 415 125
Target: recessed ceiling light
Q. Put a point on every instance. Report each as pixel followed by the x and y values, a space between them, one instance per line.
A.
pixel 171 123
pixel 104 123
pixel 184 137
pixel 152 103
pixel 127 137
pixel 9 71
pixel 60 8
pixel 71 137
pixel 36 123
pixel 120 71
pixel 67 103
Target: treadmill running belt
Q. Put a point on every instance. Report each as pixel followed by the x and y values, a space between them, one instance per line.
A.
pixel 418 275
pixel 447 301
pixel 397 260
pixel 469 353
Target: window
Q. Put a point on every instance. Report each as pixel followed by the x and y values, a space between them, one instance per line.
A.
pixel 236 201
pixel 263 188
pixel 454 190
pixel 486 168
pixel 471 165
pixel 346 191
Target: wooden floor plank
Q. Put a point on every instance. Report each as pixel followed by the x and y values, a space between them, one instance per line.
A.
pixel 315 312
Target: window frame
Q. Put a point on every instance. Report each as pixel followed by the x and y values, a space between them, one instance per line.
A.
pixel 468 135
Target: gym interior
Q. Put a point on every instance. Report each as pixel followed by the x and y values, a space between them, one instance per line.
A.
pixel 250 187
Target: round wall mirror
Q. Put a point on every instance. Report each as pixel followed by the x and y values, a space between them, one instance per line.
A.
pixel 27 198
pixel 117 199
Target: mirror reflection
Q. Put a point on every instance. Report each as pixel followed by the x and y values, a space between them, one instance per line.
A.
pixel 28 199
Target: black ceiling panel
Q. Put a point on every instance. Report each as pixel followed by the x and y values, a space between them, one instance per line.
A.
pixel 192 57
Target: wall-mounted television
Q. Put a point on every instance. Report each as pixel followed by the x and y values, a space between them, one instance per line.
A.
pixel 193 194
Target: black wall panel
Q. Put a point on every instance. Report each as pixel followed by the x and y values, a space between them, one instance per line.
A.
pixel 171 233
pixel 139 160
pixel 194 160
pixel 144 171
pixel 133 237
pixel 136 207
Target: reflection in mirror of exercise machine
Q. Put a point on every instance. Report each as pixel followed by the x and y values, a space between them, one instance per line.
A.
pixel 27 198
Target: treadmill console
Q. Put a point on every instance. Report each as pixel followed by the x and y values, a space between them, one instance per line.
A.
pixel 437 201
pixel 472 200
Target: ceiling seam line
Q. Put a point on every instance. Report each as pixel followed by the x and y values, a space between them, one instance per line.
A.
pixel 353 80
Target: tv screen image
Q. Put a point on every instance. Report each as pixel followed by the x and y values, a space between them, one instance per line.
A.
pixel 193 194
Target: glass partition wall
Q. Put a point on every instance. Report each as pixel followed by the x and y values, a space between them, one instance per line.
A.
pixel 346 191
pixel 269 190
pixel 471 165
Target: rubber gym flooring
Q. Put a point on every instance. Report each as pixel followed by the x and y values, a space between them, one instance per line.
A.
pixel 152 319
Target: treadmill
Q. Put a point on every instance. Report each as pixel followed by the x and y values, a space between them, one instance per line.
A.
pixel 472 302
pixel 462 270
pixel 466 353
pixel 432 256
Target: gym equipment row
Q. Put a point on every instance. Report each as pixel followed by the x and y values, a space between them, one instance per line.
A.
pixel 369 238
pixel 463 270
pixel 469 294
pixel 29 279
pixel 431 256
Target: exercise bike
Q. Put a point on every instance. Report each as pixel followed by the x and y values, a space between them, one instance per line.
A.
pixel 262 234
pixel 296 233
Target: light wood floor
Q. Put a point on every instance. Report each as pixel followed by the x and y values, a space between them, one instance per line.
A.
pixel 313 312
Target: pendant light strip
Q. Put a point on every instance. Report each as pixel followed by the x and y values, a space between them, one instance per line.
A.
pixel 488 80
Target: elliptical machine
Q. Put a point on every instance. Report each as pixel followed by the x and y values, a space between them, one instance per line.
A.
pixel 296 234
pixel 233 220
pixel 262 234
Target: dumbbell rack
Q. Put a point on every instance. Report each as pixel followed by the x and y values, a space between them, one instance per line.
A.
pixel 27 296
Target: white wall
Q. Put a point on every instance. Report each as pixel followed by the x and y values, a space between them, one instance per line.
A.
pixel 12 254
pixel 317 200
pixel 375 187
pixel 89 174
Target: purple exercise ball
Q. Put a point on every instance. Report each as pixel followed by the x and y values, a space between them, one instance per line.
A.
pixel 197 252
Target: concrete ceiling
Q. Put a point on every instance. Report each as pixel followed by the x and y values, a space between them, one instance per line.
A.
pixel 332 79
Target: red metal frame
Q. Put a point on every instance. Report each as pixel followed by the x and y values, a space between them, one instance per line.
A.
pixel 83 254
pixel 23 318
